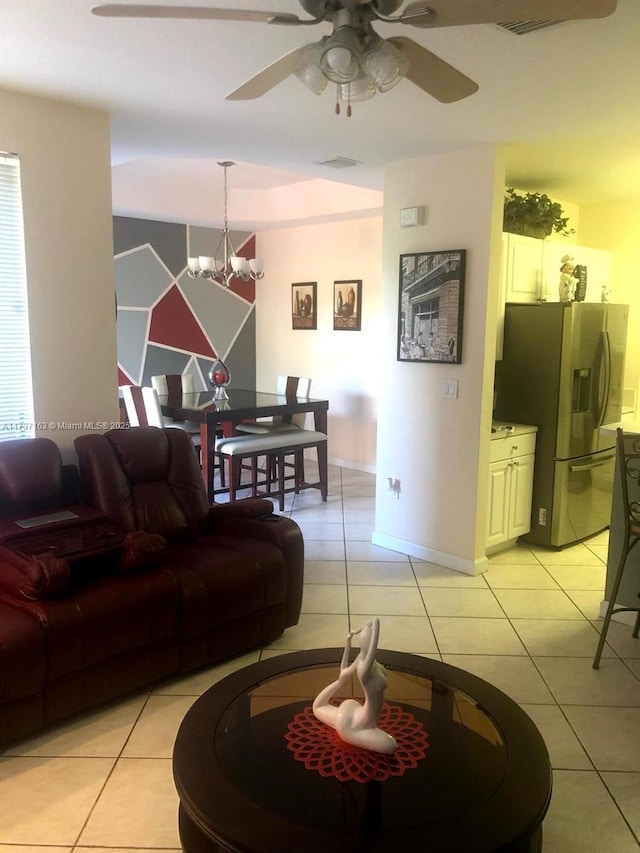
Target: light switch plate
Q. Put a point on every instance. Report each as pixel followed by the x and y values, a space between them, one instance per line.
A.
pixel 410 216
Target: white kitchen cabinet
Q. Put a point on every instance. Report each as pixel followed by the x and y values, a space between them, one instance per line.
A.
pixel 530 272
pixel 522 268
pixel 520 276
pixel 512 457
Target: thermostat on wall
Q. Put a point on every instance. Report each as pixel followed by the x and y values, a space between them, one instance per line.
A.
pixel 411 216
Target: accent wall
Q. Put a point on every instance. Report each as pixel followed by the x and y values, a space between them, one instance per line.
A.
pixel 168 322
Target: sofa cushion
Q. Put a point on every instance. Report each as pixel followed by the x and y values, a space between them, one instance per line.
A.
pixel 107 617
pixel 222 582
pixel 23 659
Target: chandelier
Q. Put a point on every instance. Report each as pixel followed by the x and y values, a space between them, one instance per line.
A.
pixel 231 265
pixel 353 57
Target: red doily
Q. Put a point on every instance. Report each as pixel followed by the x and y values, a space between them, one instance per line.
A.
pixel 320 748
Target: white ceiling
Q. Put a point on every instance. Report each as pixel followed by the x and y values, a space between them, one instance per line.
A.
pixel 564 100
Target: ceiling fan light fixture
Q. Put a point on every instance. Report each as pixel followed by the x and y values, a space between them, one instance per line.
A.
pixel 384 63
pixel 307 68
pixel 341 56
pixel 360 89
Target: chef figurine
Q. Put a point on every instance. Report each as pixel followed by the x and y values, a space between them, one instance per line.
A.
pixel 567 286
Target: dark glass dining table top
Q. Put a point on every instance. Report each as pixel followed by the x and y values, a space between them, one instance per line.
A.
pixel 241 400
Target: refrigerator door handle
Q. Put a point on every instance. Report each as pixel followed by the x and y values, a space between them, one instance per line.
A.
pixel 606 363
pixel 589 466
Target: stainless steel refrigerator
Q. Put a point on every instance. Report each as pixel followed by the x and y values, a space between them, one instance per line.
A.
pixel 562 369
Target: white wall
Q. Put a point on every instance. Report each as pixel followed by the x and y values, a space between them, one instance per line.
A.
pixel 438 448
pixel 616 227
pixel 66 182
pixel 345 367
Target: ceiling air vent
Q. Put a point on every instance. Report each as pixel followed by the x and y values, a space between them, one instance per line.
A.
pixel 521 28
pixel 339 163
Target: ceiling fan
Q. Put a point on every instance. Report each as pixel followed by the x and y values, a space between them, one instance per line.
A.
pixel 354 57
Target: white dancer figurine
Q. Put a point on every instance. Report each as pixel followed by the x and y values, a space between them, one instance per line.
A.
pixel 357 723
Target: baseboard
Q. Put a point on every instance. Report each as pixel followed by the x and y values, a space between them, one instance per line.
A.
pixel 430 555
pixel 353 466
pixel 627 617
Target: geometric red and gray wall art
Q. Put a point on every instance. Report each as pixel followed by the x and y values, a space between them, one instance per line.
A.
pixel 168 322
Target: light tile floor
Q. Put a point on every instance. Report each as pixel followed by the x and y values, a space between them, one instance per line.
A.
pixel 102 782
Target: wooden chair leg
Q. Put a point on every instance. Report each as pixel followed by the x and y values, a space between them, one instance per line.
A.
pixel 323 469
pixel 280 466
pixel 254 476
pixel 234 476
pixel 298 470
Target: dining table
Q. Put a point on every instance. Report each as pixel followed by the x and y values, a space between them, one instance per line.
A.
pixel 242 404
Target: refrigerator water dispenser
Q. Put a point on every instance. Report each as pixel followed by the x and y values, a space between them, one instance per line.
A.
pixel 581 396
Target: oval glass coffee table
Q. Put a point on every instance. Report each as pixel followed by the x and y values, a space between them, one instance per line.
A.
pixel 254 772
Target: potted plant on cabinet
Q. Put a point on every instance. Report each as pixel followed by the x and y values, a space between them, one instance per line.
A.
pixel 534 215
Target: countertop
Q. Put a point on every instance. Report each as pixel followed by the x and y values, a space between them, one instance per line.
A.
pixel 627 426
pixel 499 429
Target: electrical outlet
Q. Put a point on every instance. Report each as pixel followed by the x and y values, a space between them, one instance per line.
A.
pixel 542 516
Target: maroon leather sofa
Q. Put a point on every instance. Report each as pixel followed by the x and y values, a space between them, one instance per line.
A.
pixel 138 580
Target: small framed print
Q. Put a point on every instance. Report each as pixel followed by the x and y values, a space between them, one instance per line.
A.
pixel 304 313
pixel 430 306
pixel 347 305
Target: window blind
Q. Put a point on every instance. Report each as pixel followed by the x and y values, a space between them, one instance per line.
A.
pixel 16 392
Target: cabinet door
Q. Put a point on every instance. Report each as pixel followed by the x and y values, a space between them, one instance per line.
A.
pixel 499 504
pixel 521 488
pixel 523 268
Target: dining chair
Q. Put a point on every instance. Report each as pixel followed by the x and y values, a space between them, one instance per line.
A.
pixel 134 405
pixel 173 386
pixel 237 450
pixel 628 476
pixel 143 409
pixel 286 386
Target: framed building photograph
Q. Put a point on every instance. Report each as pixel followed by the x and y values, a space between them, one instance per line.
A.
pixel 303 305
pixel 347 305
pixel 430 306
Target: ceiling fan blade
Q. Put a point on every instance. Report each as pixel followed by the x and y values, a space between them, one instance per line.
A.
pixel 432 74
pixel 123 10
pixel 266 79
pixel 454 13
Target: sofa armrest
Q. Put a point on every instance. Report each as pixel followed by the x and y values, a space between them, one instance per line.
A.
pixel 220 514
pixel 38 576
pixel 248 519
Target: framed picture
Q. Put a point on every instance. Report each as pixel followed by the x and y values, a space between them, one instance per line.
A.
pixel 303 305
pixel 347 305
pixel 430 306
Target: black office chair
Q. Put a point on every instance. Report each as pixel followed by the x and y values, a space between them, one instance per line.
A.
pixel 628 461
